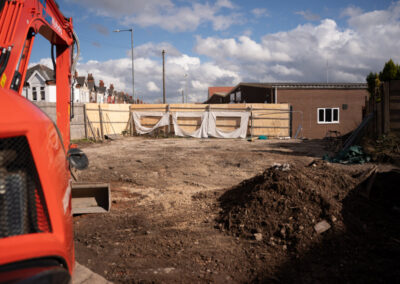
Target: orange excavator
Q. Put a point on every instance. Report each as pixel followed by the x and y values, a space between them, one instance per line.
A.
pixel 36 233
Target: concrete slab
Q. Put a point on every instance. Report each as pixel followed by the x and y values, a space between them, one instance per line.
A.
pixel 84 275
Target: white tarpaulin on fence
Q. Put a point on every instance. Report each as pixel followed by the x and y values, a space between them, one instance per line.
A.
pixel 208 125
pixel 207 128
pixel 201 132
pixel 240 132
pixel 164 121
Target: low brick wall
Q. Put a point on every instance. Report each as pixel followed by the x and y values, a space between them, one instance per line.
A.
pixel 77 124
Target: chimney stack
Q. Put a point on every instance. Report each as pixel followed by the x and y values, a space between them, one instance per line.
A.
pixel 90 77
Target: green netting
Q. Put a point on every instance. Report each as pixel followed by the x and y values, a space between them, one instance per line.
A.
pixel 352 155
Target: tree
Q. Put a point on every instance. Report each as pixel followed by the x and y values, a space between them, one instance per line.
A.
pixel 371 81
pixel 389 72
pixel 398 72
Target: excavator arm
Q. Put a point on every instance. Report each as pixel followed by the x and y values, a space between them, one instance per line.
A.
pixel 20 22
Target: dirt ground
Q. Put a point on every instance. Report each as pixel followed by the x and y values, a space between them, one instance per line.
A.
pixel 198 211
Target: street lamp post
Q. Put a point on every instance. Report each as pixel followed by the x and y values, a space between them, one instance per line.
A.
pixel 133 69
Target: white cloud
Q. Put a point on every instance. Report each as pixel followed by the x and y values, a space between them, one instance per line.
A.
pixel 243 48
pixel 299 55
pixel 44 61
pixel 152 87
pixel 308 15
pixel 185 62
pixel 148 74
pixel 164 14
pixel 154 50
pixel 225 4
pixel 283 70
pixel 351 11
pixel 260 12
pixel 302 54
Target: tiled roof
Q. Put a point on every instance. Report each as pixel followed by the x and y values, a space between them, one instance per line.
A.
pixel 46 72
pixel 213 90
pixel 80 80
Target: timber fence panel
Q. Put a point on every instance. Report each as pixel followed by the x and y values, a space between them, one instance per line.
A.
pixel 271 120
pixel 394 105
pixel 93 121
pixel 113 121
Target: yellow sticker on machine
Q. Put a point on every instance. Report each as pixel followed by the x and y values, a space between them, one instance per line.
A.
pixel 3 80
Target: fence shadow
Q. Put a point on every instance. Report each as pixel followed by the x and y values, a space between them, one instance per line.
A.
pixel 313 148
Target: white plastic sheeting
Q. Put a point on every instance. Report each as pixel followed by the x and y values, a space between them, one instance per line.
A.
pixel 201 132
pixel 240 132
pixel 164 121
pixel 208 127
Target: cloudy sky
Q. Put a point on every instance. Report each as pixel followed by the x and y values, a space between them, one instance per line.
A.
pixel 224 42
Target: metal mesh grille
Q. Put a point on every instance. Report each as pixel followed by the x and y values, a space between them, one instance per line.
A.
pixel 22 207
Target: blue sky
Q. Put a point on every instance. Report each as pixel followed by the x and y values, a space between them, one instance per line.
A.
pixel 225 42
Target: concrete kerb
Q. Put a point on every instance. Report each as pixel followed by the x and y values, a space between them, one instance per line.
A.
pixel 83 275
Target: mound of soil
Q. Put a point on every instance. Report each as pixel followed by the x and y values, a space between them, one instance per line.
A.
pixel 281 210
pixel 282 205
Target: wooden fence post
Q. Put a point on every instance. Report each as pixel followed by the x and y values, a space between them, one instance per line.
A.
pixel 291 122
pixel 367 112
pixel 251 122
pixel 379 118
pixel 169 124
pixel 101 122
pixel 386 107
pixel 84 121
pixel 131 118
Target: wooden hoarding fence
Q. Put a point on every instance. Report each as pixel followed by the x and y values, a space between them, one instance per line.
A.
pixel 271 120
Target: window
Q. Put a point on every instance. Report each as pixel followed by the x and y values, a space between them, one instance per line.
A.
pixel 42 94
pixel 34 94
pixel 328 115
pixel 238 97
pixel 232 98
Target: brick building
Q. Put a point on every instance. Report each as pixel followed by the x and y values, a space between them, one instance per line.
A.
pixel 317 107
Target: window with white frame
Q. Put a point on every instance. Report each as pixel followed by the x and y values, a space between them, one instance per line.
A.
pixel 42 94
pixel 328 115
pixel 34 94
pixel 232 98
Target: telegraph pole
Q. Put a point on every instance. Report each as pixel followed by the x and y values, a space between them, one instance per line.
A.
pixel 163 72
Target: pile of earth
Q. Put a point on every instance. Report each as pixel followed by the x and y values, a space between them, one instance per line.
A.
pixel 321 223
pixel 283 205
